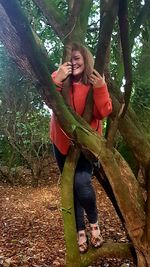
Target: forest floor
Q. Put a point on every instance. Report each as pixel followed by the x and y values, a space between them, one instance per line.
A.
pixel 31 229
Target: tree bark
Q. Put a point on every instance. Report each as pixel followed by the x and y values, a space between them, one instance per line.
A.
pixel 125 44
pixel 67 200
pixel 53 15
pixel 133 132
pixel 125 188
pixel 108 14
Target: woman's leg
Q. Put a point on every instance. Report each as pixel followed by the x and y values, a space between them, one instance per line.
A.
pixel 84 192
pixel 60 158
pixel 79 211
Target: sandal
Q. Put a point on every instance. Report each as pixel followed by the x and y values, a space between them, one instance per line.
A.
pixel 82 241
pixel 96 238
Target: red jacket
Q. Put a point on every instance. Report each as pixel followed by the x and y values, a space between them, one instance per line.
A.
pixel 102 108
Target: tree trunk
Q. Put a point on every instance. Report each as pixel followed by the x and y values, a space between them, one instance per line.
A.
pixel 125 188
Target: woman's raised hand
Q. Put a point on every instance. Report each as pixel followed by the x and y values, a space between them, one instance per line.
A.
pixel 63 72
pixel 96 79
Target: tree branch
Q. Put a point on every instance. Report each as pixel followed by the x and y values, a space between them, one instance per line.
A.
pixel 148 207
pixel 74 13
pixel 54 17
pixel 108 16
pixel 11 41
pixel 117 250
pixel 77 23
pixel 124 28
pixel 109 11
pixel 67 201
pixel 103 180
pixel 141 18
pixel 133 132
pixel 70 4
pixel 124 34
pixel 113 127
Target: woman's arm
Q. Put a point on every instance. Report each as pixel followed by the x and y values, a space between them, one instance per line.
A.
pixel 102 100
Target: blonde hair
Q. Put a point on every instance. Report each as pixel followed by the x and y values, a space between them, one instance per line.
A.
pixel 88 60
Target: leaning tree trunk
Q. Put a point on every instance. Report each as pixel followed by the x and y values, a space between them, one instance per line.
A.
pixel 16 33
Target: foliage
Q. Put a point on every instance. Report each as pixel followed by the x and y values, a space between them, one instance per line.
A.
pixel 44 31
pixel 141 96
pixel 93 27
pixel 23 117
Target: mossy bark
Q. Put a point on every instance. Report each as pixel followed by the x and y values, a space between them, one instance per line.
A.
pixel 67 201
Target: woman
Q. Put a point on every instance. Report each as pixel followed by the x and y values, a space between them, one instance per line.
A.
pixel 82 75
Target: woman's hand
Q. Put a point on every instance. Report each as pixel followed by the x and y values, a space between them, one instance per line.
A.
pixel 63 72
pixel 96 79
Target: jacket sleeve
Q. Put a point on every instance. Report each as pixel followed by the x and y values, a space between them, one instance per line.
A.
pixel 59 85
pixel 102 102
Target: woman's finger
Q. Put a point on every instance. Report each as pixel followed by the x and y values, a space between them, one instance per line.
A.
pixel 97 73
pixel 68 63
pixel 92 76
pixel 92 81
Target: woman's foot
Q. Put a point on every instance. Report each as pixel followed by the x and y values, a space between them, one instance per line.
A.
pixel 82 241
pixel 96 238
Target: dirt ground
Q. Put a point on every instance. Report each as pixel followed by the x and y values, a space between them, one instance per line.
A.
pixel 31 231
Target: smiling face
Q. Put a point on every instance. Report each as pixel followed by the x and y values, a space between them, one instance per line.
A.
pixel 77 65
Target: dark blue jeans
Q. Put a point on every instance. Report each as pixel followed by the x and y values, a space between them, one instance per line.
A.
pixel 84 194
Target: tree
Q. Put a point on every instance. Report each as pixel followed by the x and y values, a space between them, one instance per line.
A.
pixel 66 18
pixel 23 122
pixel 140 101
